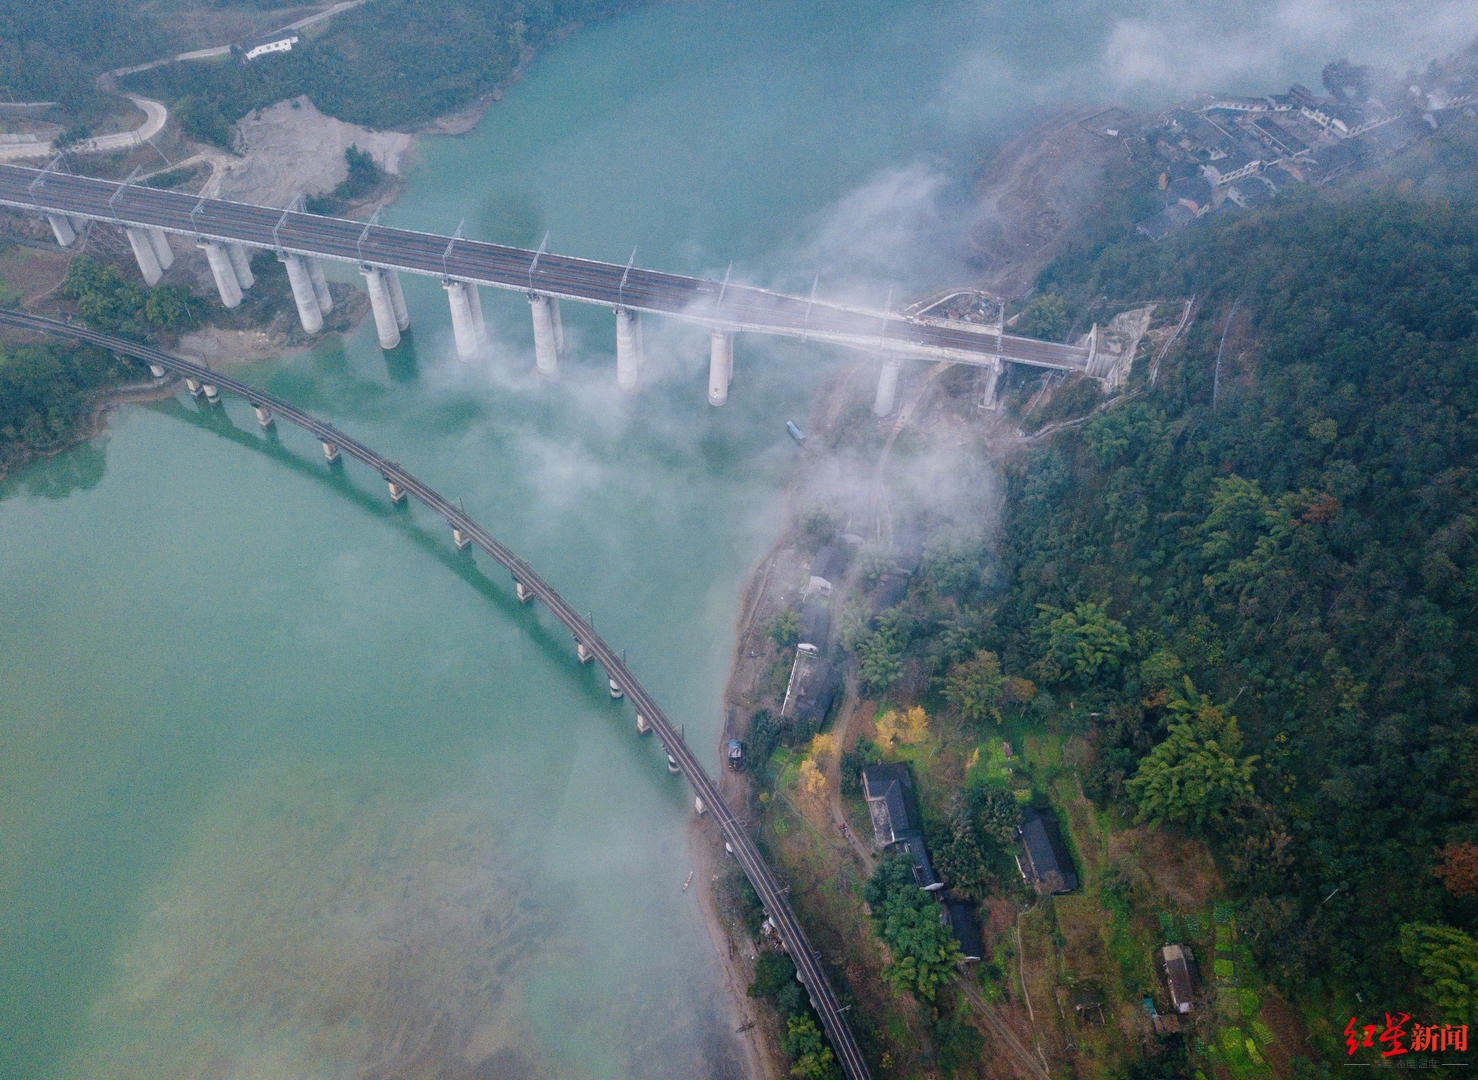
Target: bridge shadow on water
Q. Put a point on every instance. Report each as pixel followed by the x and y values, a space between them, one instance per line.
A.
pixel 556 645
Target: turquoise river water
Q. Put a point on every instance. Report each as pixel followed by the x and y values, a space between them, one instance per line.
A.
pixel 288 788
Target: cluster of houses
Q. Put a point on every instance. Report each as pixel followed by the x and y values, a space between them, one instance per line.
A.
pixel 1234 152
pixel 1041 855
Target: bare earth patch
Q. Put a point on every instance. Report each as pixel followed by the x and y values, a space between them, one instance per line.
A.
pixel 291 149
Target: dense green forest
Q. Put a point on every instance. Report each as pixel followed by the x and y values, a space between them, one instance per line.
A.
pixel 42 394
pixel 388 63
pixel 1260 578
pixel 52 50
pixel 44 388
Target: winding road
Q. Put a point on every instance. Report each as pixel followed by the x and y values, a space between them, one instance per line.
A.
pixel 156 114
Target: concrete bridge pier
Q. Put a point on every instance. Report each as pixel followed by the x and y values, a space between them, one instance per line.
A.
pixel 212 395
pixel 61 228
pixel 461 539
pixel 547 347
pixel 628 349
pixel 991 384
pixel 241 264
pixel 559 329
pixel 387 326
pixel 160 240
pixel 397 493
pixel 264 416
pixel 156 370
pixel 720 366
pixel 309 313
pixel 143 252
pixel 583 653
pixel 397 300
pixel 320 286
pixel 525 594
pixel 642 727
pixel 227 284
pixel 330 452
pixel 882 404
pixel 479 324
pixel 192 384
pixel 698 806
pixel 465 321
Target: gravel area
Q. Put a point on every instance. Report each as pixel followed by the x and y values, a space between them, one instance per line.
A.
pixel 291 149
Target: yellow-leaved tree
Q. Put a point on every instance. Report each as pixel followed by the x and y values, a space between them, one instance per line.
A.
pixel 905 728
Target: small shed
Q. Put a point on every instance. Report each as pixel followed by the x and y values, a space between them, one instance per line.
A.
pixel 1179 965
pixel 964 924
pixel 279 41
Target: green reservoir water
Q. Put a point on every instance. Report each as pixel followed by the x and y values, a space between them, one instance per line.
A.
pixel 289 788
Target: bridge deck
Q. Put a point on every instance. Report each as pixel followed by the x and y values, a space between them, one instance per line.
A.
pixel 806 960
pixel 699 300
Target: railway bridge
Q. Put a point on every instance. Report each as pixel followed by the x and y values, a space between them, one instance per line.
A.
pixel 589 645
pixel 227 231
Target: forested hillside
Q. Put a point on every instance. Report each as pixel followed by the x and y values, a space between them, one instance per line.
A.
pixel 392 62
pixel 1261 583
pixel 52 50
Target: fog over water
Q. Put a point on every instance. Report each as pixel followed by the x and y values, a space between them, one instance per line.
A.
pixel 290 788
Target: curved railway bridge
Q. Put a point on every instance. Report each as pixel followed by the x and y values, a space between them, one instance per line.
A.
pixel 530 585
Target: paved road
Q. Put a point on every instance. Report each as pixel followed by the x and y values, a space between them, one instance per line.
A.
pixel 155 117
pixel 736 839
pixel 710 303
pixel 223 50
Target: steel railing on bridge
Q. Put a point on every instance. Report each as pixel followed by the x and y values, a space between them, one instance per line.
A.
pixel 725 305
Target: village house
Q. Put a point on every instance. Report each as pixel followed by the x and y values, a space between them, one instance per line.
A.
pixel 895 818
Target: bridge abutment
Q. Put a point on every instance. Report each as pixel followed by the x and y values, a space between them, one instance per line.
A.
pixel 628 349
pixel 382 303
pixel 465 318
pixel 547 347
pixel 720 366
pixel 320 286
pixel 309 313
pixel 144 254
pixel 227 283
pixel 882 404
pixel 61 228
